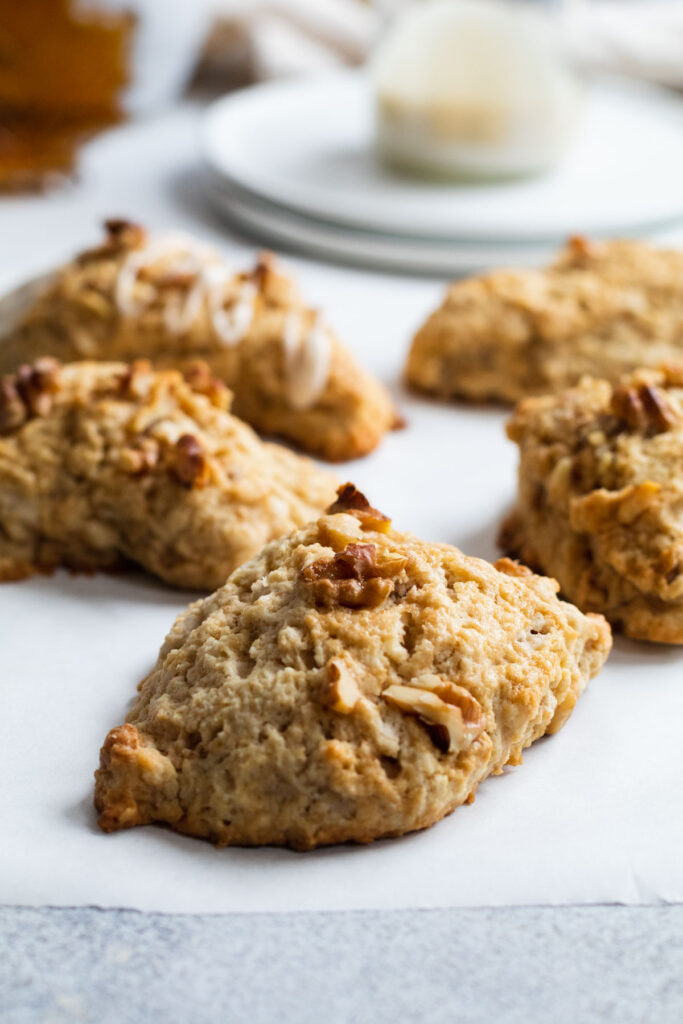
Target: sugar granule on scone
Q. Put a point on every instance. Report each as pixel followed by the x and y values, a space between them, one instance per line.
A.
pixel 103 464
pixel 172 299
pixel 347 684
pixel 601 309
pixel 600 501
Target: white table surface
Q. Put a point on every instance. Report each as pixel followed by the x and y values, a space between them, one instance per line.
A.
pixel 60 961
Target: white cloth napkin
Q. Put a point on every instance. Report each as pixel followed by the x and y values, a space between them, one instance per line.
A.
pixel 256 40
pixel 643 39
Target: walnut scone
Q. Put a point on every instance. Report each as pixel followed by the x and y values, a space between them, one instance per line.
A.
pixel 602 309
pixel 105 463
pixel 171 299
pixel 348 683
pixel 600 503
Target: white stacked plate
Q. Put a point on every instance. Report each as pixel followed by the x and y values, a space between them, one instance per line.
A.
pixel 293 165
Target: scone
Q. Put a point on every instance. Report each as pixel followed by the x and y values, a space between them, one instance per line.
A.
pixel 600 504
pixel 105 463
pixel 171 300
pixel 348 683
pixel 602 309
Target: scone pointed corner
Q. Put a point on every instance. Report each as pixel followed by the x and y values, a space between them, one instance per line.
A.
pixel 135 784
pixel 346 684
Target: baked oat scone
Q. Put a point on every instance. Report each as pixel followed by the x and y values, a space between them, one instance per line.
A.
pixel 600 503
pixel 602 309
pixel 106 463
pixel 172 300
pixel 348 683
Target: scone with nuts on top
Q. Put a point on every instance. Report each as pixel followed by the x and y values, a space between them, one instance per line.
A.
pixel 602 309
pixel 105 463
pixel 348 683
pixel 600 503
pixel 172 300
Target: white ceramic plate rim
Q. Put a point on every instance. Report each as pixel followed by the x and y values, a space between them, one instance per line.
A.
pixel 275 226
pixel 651 206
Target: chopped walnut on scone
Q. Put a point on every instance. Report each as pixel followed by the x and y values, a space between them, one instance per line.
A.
pixel 107 463
pixel 600 502
pixel 171 299
pixel 601 309
pixel 348 683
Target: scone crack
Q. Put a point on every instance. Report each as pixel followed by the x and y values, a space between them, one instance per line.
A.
pixel 140 456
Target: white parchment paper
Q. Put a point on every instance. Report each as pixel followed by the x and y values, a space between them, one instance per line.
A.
pixel 593 814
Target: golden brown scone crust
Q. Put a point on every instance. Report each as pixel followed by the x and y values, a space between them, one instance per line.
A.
pixel 105 463
pixel 78 317
pixel 348 683
pixel 602 309
pixel 600 502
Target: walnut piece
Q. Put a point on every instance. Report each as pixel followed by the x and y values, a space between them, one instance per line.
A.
pixel 510 567
pixel 28 392
pixel 356 577
pixel 199 377
pixel 264 268
pixel 140 457
pixel 12 409
pixel 36 384
pixel 643 408
pixel 124 234
pixel 120 236
pixel 450 713
pixel 338 530
pixel 188 463
pixel 581 248
pixel 342 691
pixel 125 382
pixel 353 501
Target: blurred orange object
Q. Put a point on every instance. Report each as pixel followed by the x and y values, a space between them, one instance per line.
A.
pixel 63 68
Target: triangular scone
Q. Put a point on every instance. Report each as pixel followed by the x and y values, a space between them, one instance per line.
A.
pixel 600 502
pixel 602 309
pixel 348 683
pixel 171 300
pixel 104 463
